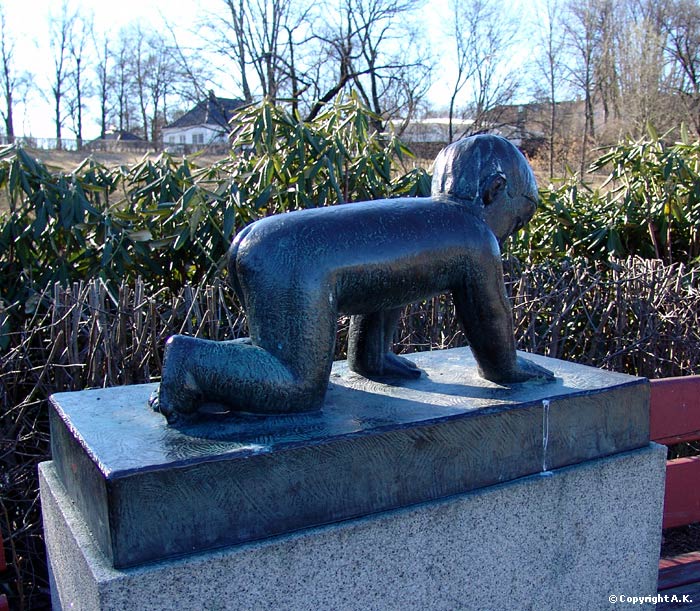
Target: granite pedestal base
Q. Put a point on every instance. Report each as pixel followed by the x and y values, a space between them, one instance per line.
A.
pixel 568 539
pixel 396 489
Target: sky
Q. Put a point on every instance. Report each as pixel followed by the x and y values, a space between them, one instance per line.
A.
pixel 28 24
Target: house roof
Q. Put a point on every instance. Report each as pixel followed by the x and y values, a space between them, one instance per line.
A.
pixel 121 135
pixel 213 111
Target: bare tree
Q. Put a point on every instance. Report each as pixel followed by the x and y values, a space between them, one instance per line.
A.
pixel 142 76
pixel 154 72
pixel 609 25
pixel 140 73
pixel 550 65
pixel 463 67
pixel 120 88
pixel 375 48
pixel 395 76
pixel 268 60
pixel 487 75
pixel 229 38
pixel 256 35
pixel 682 28
pixel 299 83
pixel 103 64
pixel 79 36
pixel 642 75
pixel 308 52
pixel 618 66
pixel 195 72
pixel 9 80
pixel 162 75
pixel 581 27
pixel 60 31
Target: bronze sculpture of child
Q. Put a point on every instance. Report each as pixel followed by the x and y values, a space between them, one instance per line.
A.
pixel 297 272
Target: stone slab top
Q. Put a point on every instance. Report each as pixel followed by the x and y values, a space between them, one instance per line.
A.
pixel 122 435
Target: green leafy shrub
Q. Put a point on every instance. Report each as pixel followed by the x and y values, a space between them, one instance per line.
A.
pixel 573 220
pixel 291 165
pixel 170 221
pixel 656 187
pixel 648 206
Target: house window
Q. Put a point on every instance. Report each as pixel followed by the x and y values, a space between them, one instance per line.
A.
pixel 197 138
pixel 183 139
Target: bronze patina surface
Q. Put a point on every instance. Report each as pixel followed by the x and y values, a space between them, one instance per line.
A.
pixel 149 490
pixel 296 273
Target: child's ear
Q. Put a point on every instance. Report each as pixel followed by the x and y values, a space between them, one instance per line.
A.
pixel 494 186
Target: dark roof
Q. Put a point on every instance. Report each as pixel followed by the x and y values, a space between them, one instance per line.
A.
pixel 212 111
pixel 121 135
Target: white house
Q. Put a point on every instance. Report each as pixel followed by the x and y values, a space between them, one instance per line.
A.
pixel 205 125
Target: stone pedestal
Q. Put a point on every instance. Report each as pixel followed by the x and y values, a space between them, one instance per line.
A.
pixel 441 493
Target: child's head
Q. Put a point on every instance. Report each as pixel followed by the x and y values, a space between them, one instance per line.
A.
pixel 491 173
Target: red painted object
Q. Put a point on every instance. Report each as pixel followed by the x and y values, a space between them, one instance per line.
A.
pixel 682 501
pixel 679 571
pixel 675 410
pixel 674 417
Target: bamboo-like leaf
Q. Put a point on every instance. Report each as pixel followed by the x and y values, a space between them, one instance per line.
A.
pixel 181 239
pixel 141 235
pixel 229 221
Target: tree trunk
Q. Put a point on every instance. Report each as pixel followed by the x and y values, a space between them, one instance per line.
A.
pixel 57 110
pixel 9 121
pixel 79 103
